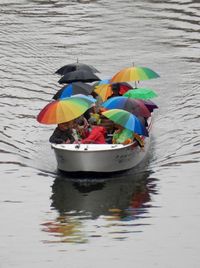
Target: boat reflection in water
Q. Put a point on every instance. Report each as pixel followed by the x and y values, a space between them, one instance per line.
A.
pixel 88 205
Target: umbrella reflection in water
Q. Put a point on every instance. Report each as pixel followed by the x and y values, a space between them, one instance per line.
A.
pixel 117 202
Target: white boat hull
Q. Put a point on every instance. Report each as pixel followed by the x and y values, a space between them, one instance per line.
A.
pixel 99 157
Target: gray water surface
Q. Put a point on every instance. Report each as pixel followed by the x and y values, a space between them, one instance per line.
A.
pixel 148 216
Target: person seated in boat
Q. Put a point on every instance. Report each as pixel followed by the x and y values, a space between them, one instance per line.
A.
pixel 122 135
pixel 139 140
pixel 94 113
pixel 107 123
pixel 98 99
pixel 125 136
pixel 63 133
pixel 115 91
pixel 109 126
pixel 82 127
pixel 97 133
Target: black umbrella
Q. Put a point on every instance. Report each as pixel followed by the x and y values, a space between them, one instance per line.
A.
pixel 76 66
pixel 79 76
pixel 72 89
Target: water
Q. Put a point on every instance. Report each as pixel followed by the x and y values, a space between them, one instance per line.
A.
pixel 147 216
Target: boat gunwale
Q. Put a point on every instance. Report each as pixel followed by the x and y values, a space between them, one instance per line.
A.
pixel 91 147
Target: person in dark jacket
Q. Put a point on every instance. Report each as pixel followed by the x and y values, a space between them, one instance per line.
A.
pixel 115 90
pixel 63 133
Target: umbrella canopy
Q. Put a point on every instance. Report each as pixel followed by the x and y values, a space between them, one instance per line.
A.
pixel 105 90
pixel 134 106
pixel 122 87
pixel 73 89
pixel 134 74
pixel 141 93
pixel 125 119
pixel 64 110
pixel 79 76
pixel 149 104
pixel 76 66
pixel 102 82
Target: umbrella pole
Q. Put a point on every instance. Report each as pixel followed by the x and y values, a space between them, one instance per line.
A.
pixel 135 84
pixel 135 81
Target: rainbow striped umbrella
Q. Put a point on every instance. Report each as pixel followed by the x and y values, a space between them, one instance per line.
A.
pixel 134 74
pixel 125 119
pixel 64 110
pixel 141 93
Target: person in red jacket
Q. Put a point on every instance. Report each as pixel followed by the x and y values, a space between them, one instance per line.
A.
pixel 97 134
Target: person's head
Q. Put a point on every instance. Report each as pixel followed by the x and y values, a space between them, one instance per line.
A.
pixel 65 125
pixel 94 94
pixel 119 127
pixel 94 109
pixel 80 121
pixel 115 89
pixel 92 121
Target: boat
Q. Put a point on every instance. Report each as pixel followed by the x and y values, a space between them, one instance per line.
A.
pixel 103 158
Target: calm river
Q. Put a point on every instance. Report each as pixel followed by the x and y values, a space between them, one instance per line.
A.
pixel 146 217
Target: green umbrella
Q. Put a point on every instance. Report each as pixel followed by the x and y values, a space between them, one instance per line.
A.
pixel 141 93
